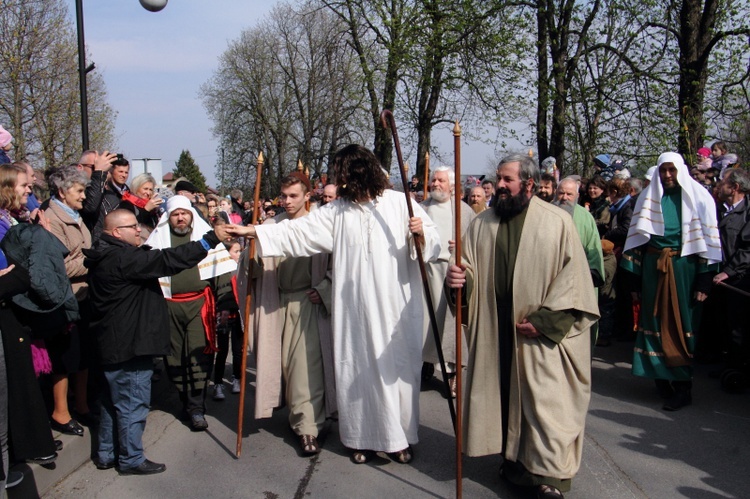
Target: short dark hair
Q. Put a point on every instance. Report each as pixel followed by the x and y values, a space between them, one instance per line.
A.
pixel 598 181
pixel 548 177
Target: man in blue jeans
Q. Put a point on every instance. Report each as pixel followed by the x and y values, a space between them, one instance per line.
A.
pixel 130 321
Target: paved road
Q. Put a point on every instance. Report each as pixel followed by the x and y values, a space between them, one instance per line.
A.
pixel 632 449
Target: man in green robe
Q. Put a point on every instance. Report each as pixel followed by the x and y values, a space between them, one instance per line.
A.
pixel 530 309
pixel 673 248
pixel 566 197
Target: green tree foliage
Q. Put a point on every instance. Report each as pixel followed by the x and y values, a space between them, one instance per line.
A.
pixel 39 100
pixel 185 166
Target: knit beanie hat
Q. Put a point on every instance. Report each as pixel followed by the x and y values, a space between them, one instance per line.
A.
pixel 5 137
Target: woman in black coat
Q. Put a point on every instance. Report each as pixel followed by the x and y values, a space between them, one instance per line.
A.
pixel 28 425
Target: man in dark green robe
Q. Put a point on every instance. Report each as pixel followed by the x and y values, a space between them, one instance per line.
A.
pixel 672 248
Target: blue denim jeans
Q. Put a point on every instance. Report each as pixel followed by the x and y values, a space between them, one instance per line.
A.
pixel 125 401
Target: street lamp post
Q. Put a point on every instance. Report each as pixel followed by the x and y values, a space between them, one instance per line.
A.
pixel 151 6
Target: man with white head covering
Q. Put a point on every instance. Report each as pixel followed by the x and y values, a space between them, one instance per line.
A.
pixel 673 247
pixel 441 209
pixel 190 302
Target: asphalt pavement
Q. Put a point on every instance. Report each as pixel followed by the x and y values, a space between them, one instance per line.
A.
pixel 632 449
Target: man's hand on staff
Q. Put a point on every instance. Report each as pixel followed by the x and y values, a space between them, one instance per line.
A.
pixel 456 276
pixel 240 230
pixel 415 227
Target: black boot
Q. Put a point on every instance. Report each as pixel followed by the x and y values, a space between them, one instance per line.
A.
pixel 682 396
pixel 665 388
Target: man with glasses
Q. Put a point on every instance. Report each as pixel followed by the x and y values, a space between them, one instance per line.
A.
pixel 131 324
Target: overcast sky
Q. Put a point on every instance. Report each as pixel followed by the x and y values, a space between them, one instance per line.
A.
pixel 154 64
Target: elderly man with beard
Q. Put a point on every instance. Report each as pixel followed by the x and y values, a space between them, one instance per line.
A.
pixel 673 247
pixel 567 199
pixel 191 306
pixel 441 209
pixel 477 200
pixel 530 310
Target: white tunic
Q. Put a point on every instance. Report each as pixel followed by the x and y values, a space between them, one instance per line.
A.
pixel 377 311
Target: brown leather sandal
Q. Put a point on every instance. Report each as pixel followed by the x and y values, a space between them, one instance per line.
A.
pixel 548 492
pixel 403 456
pixel 309 445
pixel 362 456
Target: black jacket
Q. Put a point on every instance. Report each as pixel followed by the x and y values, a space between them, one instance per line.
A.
pixel 128 311
pixel 734 229
pixel 93 201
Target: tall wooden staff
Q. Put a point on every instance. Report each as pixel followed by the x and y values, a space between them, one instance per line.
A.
pixel 426 173
pixel 388 121
pixel 459 303
pixel 248 303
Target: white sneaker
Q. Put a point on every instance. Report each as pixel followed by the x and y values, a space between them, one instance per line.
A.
pixel 236 386
pixel 219 392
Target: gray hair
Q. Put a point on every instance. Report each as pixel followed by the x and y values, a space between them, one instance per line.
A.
pixel 141 179
pixel 528 169
pixel 739 177
pixel 447 169
pixel 636 185
pixel 65 177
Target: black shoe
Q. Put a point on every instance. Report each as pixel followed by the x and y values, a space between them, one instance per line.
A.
pixel 58 445
pixel 43 460
pixel 101 465
pixel 70 428
pixel 198 422
pixel 682 396
pixel 428 371
pixel 13 479
pixel 665 388
pixel 145 468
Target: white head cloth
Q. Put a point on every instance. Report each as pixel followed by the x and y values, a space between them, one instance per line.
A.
pixel 700 233
pixel 650 173
pixel 216 263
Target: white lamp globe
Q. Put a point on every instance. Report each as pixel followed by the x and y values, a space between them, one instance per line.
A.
pixel 153 5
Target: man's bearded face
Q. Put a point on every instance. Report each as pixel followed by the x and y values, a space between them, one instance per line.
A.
pixel 546 192
pixel 181 221
pixel 440 188
pixel 512 194
pixel 508 206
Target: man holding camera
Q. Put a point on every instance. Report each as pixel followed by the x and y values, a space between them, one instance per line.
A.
pixel 112 193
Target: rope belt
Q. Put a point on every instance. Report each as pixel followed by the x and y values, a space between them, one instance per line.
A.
pixel 667 308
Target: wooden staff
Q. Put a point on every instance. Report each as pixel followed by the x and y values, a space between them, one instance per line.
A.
pixel 248 303
pixel 426 173
pixel 388 121
pixel 459 303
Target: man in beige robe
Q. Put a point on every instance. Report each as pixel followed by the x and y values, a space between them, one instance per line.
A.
pixel 441 209
pixel 292 331
pixel 530 308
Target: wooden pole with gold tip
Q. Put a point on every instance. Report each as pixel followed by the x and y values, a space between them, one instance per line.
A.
pixel 459 318
pixel 248 303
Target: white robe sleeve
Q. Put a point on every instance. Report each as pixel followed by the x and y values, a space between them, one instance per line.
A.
pixel 304 236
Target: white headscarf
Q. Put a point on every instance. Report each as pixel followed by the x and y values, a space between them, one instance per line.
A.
pixel 216 263
pixel 700 233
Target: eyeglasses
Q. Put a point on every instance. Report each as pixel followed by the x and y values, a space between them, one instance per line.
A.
pixel 87 165
pixel 134 226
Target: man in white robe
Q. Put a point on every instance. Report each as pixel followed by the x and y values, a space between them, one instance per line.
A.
pixel 530 308
pixel 377 299
pixel 441 209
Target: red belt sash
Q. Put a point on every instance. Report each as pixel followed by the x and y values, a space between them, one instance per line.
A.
pixel 207 314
